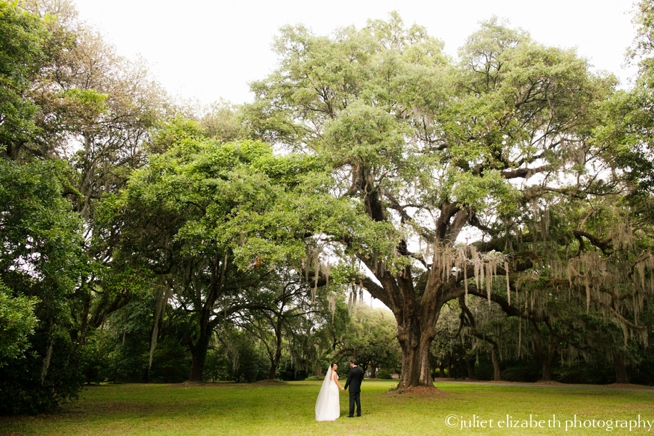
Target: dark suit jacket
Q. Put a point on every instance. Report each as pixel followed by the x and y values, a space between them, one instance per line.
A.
pixel 354 379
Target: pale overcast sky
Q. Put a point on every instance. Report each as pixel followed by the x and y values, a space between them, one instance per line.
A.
pixel 211 49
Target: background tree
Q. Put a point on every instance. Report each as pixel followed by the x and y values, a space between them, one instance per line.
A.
pixel 17 323
pixel 21 58
pixel 212 220
pixel 41 258
pixel 370 337
pixel 274 308
pixel 54 98
pixel 95 110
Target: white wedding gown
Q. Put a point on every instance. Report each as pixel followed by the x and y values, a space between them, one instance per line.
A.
pixel 328 404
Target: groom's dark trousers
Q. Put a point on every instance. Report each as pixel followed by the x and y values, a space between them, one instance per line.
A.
pixel 354 379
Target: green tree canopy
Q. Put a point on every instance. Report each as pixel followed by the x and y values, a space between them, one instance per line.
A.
pixel 211 220
pixel 17 322
pixel 21 57
pixel 423 147
pixel 41 257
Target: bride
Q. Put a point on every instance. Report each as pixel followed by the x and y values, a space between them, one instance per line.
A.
pixel 328 405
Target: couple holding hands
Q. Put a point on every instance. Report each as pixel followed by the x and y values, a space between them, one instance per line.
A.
pixel 328 405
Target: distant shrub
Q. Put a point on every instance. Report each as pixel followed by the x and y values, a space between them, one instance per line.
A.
pixel 521 371
pixel 484 370
pixel 384 374
pixel 582 372
pixel 315 378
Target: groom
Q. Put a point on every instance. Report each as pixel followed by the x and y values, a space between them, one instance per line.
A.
pixel 354 379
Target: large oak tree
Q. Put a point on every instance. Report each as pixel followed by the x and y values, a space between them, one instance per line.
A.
pixel 432 152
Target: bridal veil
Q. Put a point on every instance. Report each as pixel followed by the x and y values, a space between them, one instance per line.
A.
pixel 328 402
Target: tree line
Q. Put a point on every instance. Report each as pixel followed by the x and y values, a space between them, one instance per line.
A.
pixel 498 203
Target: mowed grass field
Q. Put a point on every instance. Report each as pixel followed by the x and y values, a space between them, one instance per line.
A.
pixel 288 409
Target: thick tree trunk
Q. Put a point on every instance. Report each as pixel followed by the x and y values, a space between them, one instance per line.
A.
pixel 547 370
pixel 274 362
pixel 497 373
pixel 197 368
pixel 621 375
pixel 546 350
pixel 373 370
pixel 199 349
pixel 273 371
pixel 415 339
pixel 549 358
pixel 199 355
pixel 416 308
pixel 470 362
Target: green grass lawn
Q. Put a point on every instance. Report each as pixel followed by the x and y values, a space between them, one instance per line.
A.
pixel 285 409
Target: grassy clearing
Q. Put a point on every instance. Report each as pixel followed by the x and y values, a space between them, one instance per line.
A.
pixel 258 409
